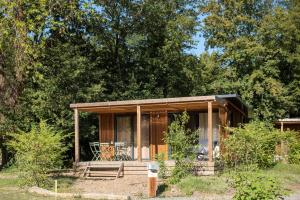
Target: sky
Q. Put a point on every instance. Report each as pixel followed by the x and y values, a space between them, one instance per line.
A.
pixel 199 48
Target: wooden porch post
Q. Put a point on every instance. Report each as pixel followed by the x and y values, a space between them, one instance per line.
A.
pixel 283 152
pixel 222 132
pixel 209 132
pixel 138 132
pixel 76 118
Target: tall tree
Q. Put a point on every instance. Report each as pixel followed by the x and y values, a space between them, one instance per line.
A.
pixel 240 31
pixel 19 22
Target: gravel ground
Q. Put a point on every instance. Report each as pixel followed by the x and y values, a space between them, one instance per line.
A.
pixel 131 185
pixel 136 187
pixel 295 196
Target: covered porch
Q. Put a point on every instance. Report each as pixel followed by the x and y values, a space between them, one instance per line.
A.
pixel 133 131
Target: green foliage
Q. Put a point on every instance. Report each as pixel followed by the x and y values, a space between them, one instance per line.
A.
pixel 253 144
pixel 182 142
pixel 249 184
pixel 291 141
pixel 254 186
pixel 37 152
pixel 53 53
pixel 257 43
pixel 162 173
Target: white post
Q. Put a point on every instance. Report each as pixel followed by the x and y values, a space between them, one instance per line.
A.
pixel 55 188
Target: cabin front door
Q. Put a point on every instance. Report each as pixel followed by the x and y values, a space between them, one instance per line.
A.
pixel 158 126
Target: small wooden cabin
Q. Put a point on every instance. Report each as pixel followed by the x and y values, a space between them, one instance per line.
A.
pixel 141 124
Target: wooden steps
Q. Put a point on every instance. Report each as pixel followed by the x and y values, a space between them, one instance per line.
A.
pixel 103 170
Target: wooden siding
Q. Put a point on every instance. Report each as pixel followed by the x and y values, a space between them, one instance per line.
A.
pixel 158 126
pixel 222 132
pixel 106 133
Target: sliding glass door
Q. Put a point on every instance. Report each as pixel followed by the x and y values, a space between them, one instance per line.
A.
pixel 203 139
pixel 125 131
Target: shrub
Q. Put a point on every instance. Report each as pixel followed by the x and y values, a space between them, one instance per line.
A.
pixel 160 158
pixel 292 141
pixel 255 186
pixel 253 144
pixel 182 142
pixel 37 152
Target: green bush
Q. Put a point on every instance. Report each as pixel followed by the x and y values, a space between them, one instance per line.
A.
pixel 255 186
pixel 292 141
pixel 253 144
pixel 37 152
pixel 182 142
pixel 160 158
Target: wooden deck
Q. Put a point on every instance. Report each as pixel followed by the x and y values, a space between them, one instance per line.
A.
pixel 203 168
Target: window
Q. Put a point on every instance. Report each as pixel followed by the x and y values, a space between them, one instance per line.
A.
pixel 203 138
pixel 125 131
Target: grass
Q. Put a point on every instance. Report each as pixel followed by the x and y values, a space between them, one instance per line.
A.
pixel 9 186
pixel 8 182
pixel 9 178
pixel 205 184
pixel 286 174
pixel 63 183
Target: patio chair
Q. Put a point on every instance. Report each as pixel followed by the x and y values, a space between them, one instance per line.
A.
pixel 120 151
pixel 95 148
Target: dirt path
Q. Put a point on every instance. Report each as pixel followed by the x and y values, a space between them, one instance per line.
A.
pixel 136 187
pixel 131 185
pixel 296 192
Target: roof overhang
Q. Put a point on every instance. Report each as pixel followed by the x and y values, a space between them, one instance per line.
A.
pixel 288 121
pixel 148 105
pixel 169 104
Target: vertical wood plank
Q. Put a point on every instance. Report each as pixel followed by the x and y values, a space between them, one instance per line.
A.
pixel 209 132
pixel 138 132
pixel 164 136
pixel 226 123
pixel 282 152
pixel 106 128
pixel 76 120
pixel 222 121
pixel 220 133
pixel 99 125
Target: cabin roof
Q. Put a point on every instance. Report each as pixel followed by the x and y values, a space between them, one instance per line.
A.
pixel 180 102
